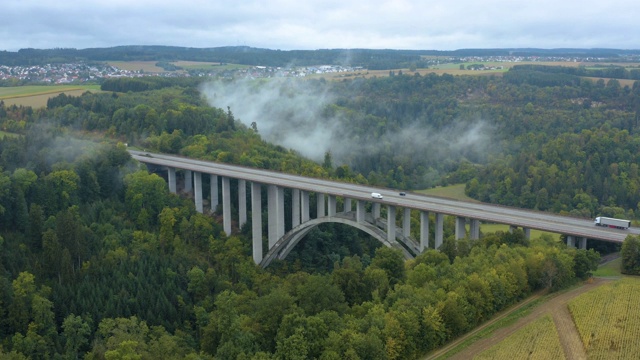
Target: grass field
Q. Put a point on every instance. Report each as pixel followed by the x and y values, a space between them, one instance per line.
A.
pixel 610 269
pixel 455 192
pixel 538 340
pixel 37 95
pixel 608 320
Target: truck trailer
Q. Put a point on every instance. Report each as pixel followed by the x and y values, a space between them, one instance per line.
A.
pixel 612 223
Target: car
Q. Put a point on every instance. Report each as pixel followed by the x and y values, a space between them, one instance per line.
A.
pixel 402 193
pixel 376 195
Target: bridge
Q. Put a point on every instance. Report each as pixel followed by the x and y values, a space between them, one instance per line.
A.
pixel 355 199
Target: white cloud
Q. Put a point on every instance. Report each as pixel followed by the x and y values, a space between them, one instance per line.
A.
pixel 315 24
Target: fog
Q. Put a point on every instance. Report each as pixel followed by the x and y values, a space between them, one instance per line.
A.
pixel 293 113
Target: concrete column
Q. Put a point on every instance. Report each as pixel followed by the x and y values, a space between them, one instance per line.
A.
pixel 256 221
pixel 512 228
pixel 391 223
pixel 571 241
pixel 295 207
pixel 474 229
pixel 304 206
pixel 171 178
pixel 360 211
pixel 406 222
pixel 424 230
pixel 527 233
pixel 320 205
pixel 583 243
pixel 375 209
pixel 226 205
pixel 197 194
pixel 214 192
pixel 242 202
pixel 272 208
pixel 439 230
pixel 460 227
pixel 332 205
pixel 347 204
pixel 188 181
pixel 280 193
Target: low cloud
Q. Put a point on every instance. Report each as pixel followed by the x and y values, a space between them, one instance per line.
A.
pixel 293 113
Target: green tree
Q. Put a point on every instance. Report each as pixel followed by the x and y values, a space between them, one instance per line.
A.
pixel 392 262
pixel 75 334
pixel 630 254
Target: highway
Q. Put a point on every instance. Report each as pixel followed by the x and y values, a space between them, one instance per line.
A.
pixel 484 212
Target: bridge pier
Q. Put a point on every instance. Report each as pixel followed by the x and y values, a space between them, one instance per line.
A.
pixel 197 194
pixel 391 223
pixel 474 229
pixel 406 222
pixel 375 210
pixel 332 205
pixel 171 179
pixel 304 205
pixel 571 241
pixel 424 230
pixel 527 233
pixel 188 181
pixel 360 211
pixel 439 230
pixel 215 200
pixel 242 202
pixel 275 199
pixel 461 231
pixel 226 205
pixel 583 243
pixel 256 221
pixel 320 205
pixel 347 204
pixel 295 207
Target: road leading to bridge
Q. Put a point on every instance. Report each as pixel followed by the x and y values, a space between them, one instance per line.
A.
pixel 484 212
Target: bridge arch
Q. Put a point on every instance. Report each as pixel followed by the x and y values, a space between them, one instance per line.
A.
pixel 283 247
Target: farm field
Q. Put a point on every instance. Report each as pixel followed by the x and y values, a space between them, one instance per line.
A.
pixel 555 307
pixel 498 69
pixel 608 320
pixel 538 340
pixel 37 95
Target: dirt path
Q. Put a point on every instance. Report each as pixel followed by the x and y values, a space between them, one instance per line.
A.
pixel 556 306
pixel 568 333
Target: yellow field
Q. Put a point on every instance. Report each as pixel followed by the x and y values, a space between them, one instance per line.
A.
pixel 608 320
pixel 538 340
pixel 37 96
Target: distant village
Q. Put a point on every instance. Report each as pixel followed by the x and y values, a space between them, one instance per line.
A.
pixel 83 72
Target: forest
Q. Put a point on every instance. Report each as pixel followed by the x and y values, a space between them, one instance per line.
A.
pixel 98 260
pixel 373 59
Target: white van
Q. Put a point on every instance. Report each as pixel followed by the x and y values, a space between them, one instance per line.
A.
pixel 376 195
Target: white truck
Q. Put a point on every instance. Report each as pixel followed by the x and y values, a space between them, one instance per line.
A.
pixel 612 223
pixel 376 195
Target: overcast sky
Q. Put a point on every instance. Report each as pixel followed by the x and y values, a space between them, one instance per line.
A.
pixel 321 24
